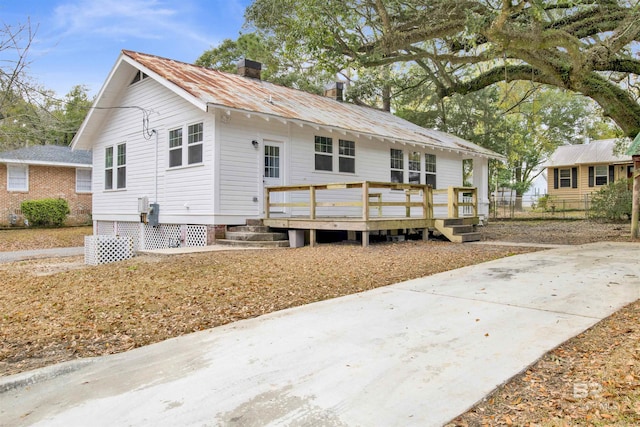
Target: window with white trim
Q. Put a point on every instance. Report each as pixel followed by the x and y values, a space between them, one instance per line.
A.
pixel 414 167
pixel 430 169
pixel 602 175
pixel 565 178
pixel 121 166
pixel 195 138
pixel 17 178
pixel 323 153
pixel 175 147
pixel 115 167
pixel 193 154
pixel 397 165
pixel 346 156
pixel 83 180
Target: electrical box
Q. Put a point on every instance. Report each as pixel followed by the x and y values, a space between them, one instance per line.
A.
pixel 154 214
pixel 143 205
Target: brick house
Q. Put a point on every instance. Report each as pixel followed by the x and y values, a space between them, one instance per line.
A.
pixel 45 171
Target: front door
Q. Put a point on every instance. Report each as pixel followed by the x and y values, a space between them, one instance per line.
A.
pixel 273 173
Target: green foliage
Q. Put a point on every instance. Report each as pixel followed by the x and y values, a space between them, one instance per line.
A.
pixel 45 212
pixel 464 46
pixel 546 202
pixel 276 66
pixel 42 121
pixel 613 201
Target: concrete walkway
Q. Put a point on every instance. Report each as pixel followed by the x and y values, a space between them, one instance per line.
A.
pixel 40 253
pixel 417 353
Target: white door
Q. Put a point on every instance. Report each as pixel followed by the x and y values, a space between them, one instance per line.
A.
pixel 273 172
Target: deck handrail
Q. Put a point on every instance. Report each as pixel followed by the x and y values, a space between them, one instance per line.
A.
pixel 425 191
pixel 453 200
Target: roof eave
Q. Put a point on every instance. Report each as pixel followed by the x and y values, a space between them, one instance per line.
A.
pixel 45 163
pixel 344 131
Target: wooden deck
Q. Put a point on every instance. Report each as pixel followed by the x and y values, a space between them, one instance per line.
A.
pixel 379 206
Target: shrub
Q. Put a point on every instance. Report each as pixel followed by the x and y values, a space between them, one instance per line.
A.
pixel 613 201
pixel 46 212
pixel 545 202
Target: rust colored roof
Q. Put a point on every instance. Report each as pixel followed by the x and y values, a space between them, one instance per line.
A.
pixel 232 91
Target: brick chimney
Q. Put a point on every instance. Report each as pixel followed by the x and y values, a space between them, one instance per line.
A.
pixel 249 68
pixel 334 91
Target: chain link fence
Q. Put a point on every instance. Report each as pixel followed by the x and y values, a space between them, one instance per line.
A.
pixel 543 207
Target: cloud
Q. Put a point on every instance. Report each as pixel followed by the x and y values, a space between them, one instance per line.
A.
pixel 122 19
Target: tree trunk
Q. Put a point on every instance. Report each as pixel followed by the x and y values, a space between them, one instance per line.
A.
pixel 518 202
pixel 635 209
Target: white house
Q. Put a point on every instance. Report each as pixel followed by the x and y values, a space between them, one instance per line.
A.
pixel 201 145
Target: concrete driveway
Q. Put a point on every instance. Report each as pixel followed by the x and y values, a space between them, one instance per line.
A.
pixel 416 353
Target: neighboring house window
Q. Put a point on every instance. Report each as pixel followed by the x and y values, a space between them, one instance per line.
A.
pixel 602 174
pixel 324 153
pixel 193 154
pixel 346 156
pixel 83 180
pixel 430 169
pixel 17 178
pixel 115 178
pixel 565 178
pixel 397 165
pixel 414 167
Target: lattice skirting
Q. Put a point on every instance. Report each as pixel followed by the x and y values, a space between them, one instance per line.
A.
pixel 146 237
pixel 106 249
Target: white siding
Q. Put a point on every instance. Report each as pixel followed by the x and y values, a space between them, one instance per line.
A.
pixel 228 187
pixel 175 188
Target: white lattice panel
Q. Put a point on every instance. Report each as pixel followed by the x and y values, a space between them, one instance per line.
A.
pixel 106 228
pixel 100 249
pixel 130 229
pixel 196 235
pixel 162 236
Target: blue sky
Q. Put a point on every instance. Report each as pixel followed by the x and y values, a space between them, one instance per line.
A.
pixel 78 41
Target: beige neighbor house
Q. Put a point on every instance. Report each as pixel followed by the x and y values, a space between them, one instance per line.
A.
pixel 42 172
pixel 576 171
pixel 182 153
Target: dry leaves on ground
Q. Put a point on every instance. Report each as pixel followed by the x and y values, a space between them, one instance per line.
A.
pixel 91 311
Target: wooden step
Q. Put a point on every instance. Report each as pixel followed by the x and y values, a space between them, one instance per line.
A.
pixel 458 230
pixel 255 236
pixel 249 229
pixel 254 243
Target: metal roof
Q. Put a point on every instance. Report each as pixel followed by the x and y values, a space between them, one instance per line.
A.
pixel 53 155
pixel 634 147
pixel 216 89
pixel 600 151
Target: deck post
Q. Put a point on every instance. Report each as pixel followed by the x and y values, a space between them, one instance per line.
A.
pixel 407 209
pixel 266 203
pixel 312 237
pixel 365 202
pixel 312 202
pixel 453 202
pixel 365 239
pixel 475 202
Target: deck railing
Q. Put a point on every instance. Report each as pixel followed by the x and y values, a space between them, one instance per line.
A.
pixel 465 198
pixel 371 196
